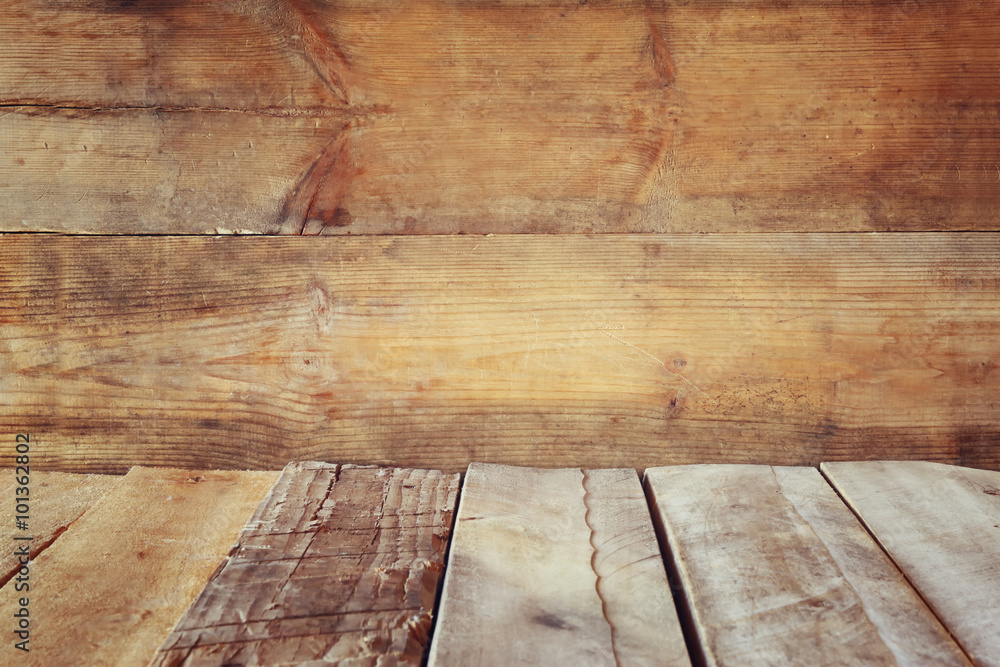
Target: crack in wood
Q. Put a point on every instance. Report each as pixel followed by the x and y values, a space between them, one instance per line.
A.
pixel 275 111
pixel 315 198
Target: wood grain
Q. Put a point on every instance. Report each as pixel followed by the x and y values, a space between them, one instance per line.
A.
pixel 555 567
pixel 777 571
pixel 145 171
pixel 940 524
pixel 109 590
pixel 338 565
pixel 504 117
pixel 432 352
pixel 55 501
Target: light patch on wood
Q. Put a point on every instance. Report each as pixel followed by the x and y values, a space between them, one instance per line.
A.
pixel 941 525
pixel 55 500
pixel 110 588
pixel 555 567
pixel 776 570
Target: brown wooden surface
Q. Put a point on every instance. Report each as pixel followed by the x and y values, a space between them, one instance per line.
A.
pixel 555 567
pixel 941 524
pixel 111 587
pixel 368 117
pixel 338 565
pixel 56 500
pixel 776 570
pixel 433 352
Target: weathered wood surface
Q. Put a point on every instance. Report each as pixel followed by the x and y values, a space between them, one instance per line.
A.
pixel 337 566
pixel 941 524
pixel 499 117
pixel 555 567
pixel 776 570
pixel 55 501
pixel 111 587
pixel 436 351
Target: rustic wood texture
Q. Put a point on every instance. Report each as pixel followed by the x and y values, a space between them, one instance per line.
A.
pixel 432 352
pixel 56 500
pixel 555 567
pixel 941 524
pixel 776 570
pixel 109 590
pixel 499 117
pixel 337 566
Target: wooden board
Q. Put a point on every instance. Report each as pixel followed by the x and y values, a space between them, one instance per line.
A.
pixel 55 501
pixel 337 565
pixel 109 590
pixel 776 570
pixel 145 172
pixel 555 567
pixel 499 117
pixel 432 352
pixel 941 524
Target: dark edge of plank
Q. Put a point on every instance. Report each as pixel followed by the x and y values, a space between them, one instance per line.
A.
pixel 444 569
pixel 685 610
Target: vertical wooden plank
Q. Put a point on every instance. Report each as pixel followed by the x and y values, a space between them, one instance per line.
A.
pixel 108 591
pixel 56 500
pixel 941 524
pixel 555 567
pixel 777 571
pixel 335 565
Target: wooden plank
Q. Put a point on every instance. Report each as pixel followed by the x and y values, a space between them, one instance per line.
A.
pixel 550 116
pixel 555 567
pixel 777 571
pixel 55 501
pixel 336 566
pixel 940 524
pixel 147 171
pixel 433 352
pixel 109 590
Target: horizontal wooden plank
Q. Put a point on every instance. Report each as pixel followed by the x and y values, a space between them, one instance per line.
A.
pixel 555 567
pixel 54 501
pixel 338 564
pixel 141 171
pixel 432 352
pixel 552 116
pixel 776 570
pixel 109 590
pixel 941 524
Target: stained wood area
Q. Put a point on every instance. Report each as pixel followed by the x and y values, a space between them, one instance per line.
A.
pixel 339 565
pixel 111 587
pixel 436 351
pixel 776 570
pixel 55 500
pixel 555 567
pixel 941 524
pixel 299 116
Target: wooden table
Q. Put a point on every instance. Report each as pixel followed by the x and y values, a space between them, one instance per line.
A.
pixel 854 563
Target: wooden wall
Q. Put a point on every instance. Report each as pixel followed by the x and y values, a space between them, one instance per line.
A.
pixel 554 233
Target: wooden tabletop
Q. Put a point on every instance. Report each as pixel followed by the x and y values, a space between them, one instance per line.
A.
pixel 861 563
